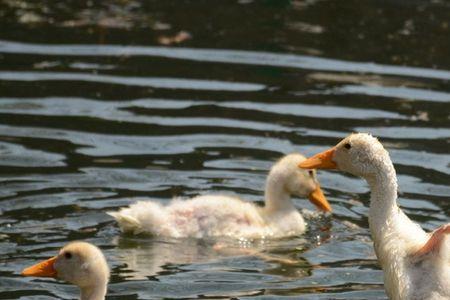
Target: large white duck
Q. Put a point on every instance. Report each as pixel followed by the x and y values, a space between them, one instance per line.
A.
pixel 79 263
pixel 220 215
pixel 416 264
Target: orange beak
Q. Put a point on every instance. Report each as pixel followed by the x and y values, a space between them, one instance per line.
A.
pixel 323 160
pixel 318 199
pixel 43 269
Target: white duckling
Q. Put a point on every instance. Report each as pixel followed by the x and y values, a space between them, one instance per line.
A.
pixel 79 263
pixel 220 215
pixel 416 264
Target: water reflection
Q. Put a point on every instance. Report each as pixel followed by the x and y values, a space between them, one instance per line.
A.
pixel 152 257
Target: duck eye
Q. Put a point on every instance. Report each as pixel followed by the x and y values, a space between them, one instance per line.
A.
pixel 311 173
pixel 347 146
pixel 68 255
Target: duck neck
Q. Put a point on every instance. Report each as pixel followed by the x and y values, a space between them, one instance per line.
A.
pixel 383 200
pixel 276 196
pixel 97 292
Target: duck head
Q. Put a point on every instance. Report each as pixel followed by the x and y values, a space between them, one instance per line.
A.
pixel 79 263
pixel 359 154
pixel 298 182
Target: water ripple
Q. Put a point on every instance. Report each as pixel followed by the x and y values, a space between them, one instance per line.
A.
pixel 223 56
pixel 155 82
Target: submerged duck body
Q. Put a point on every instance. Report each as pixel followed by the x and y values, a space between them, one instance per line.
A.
pixel 416 264
pixel 219 215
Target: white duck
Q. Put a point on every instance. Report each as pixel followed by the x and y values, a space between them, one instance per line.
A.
pixel 220 215
pixel 79 263
pixel 416 264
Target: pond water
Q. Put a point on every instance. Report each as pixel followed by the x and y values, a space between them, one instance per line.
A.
pixel 103 103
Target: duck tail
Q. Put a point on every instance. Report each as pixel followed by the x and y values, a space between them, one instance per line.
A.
pixel 127 223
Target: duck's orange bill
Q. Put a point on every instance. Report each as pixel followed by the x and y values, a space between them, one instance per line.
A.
pixel 318 199
pixel 43 269
pixel 323 160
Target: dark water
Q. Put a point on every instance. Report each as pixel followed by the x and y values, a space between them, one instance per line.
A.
pixel 106 102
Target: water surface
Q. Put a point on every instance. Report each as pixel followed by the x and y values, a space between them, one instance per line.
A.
pixel 108 102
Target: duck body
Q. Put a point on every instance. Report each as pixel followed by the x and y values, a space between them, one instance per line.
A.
pixel 207 216
pixel 220 215
pixel 396 240
pixel 416 264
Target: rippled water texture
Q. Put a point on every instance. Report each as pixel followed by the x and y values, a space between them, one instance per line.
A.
pixel 103 103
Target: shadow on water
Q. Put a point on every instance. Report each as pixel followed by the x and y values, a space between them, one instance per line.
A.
pixel 103 103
